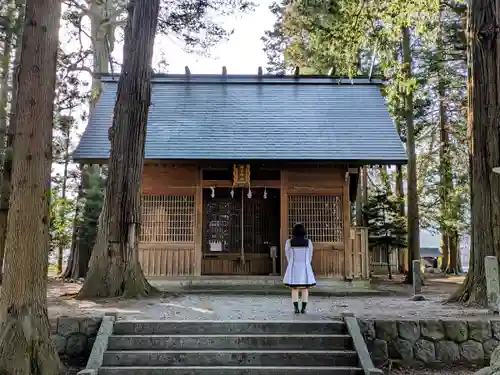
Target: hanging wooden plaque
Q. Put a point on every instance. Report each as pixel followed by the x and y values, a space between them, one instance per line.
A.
pixel 241 175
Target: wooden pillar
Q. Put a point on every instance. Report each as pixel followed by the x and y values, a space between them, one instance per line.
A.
pixel 347 228
pixel 364 187
pixel 359 202
pixel 198 234
pixel 283 218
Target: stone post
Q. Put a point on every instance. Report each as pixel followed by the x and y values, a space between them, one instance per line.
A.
pixel 492 283
pixel 417 277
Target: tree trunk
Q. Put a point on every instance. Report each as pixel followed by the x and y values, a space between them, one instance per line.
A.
pixel 483 125
pixel 73 266
pixel 67 126
pixel 4 98
pixel 454 254
pixel 7 143
pixel 26 347
pixel 400 194
pixel 444 154
pixel 413 215
pixel 103 42
pixel 114 266
pixel 445 250
pixel 388 260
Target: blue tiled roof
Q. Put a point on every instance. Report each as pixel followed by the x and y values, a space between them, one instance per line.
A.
pixel 252 117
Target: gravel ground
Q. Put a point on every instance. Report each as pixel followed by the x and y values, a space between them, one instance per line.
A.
pixel 448 371
pixel 196 307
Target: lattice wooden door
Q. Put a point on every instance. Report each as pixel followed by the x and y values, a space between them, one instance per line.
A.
pixel 322 217
pixel 222 222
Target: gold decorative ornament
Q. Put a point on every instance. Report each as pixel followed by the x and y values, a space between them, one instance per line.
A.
pixel 241 175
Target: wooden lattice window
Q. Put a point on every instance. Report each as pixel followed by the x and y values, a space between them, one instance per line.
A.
pixel 167 219
pixel 320 214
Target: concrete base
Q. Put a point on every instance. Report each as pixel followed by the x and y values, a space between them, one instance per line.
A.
pixel 260 285
pixel 231 370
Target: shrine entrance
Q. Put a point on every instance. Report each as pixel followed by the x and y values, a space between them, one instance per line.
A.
pixel 241 231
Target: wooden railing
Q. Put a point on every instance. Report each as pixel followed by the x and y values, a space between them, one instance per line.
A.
pixel 360 262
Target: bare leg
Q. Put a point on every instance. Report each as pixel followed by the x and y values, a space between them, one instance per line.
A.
pixel 295 300
pixel 305 298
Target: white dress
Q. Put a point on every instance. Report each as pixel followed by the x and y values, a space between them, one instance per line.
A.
pixel 299 272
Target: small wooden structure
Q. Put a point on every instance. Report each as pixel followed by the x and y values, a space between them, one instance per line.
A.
pixel 220 199
pixel 197 221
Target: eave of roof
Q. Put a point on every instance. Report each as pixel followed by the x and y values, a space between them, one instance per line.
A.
pixel 255 79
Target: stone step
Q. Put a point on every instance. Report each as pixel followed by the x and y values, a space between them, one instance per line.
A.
pixel 255 341
pixel 206 327
pixel 231 370
pixel 231 358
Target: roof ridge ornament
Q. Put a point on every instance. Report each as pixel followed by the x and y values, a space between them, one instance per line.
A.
pixel 224 71
pixel 187 71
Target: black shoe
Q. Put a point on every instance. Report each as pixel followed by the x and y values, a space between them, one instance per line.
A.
pixel 296 306
pixel 303 311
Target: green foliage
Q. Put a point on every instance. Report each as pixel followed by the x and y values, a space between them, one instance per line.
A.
pixel 386 227
pixel 355 38
pixel 61 221
pixel 91 206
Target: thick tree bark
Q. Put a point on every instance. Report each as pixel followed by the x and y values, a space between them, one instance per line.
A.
pixel 4 96
pixel 7 143
pixel 26 347
pixel 114 266
pixel 413 214
pixel 483 121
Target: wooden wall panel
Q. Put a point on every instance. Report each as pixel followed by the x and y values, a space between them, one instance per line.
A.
pixel 329 257
pixel 163 180
pixel 318 179
pixel 230 264
pixel 167 259
pixel 328 260
pixel 360 253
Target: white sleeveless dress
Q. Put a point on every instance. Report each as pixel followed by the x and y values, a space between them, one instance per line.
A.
pixel 299 272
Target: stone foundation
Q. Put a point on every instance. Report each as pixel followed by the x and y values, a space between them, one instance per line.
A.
pixel 74 337
pixel 431 342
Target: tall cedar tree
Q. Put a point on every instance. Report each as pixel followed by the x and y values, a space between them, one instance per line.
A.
pixel 114 268
pixel 26 347
pixel 386 225
pixel 484 115
pixel 89 201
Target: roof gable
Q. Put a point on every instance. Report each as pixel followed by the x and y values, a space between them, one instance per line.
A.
pixel 256 118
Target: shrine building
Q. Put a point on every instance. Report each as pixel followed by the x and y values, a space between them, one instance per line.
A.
pixel 232 162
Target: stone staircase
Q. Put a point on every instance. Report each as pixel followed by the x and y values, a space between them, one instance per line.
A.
pixel 230 348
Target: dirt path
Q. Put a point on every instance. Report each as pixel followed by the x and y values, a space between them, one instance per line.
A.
pixel 208 307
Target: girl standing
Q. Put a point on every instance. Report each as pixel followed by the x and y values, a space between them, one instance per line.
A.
pixel 299 274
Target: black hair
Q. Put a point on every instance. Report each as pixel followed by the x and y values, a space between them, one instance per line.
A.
pixel 299 230
pixel 298 236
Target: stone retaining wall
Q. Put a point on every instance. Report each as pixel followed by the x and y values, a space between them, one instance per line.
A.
pixel 431 342
pixel 74 337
